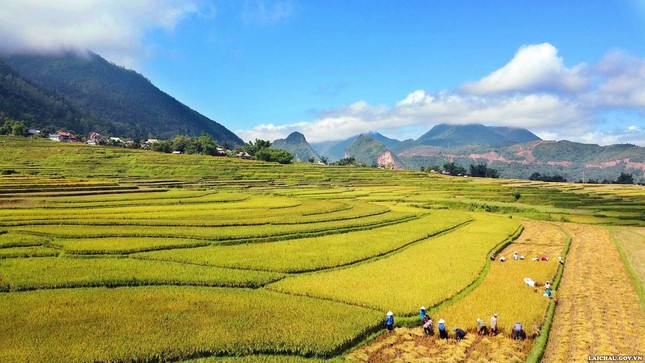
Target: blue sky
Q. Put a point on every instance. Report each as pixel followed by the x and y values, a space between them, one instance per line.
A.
pixel 331 69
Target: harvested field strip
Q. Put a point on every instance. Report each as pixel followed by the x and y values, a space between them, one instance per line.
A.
pixel 263 358
pixel 319 252
pixel 123 245
pixel 173 323
pixel 60 272
pixel 410 345
pixel 221 233
pixel 413 277
pixel 598 310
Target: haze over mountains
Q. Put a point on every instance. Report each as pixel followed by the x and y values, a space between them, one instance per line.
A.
pixel 87 93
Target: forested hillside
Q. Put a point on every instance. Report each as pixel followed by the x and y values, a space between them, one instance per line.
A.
pixel 120 100
pixel 21 99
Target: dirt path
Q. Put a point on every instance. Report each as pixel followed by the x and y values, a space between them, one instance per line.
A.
pixel 598 309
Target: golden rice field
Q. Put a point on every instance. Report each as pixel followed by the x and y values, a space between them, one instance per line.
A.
pixel 501 292
pixel 115 255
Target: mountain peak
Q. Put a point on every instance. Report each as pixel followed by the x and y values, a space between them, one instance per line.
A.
pixel 295 137
pixel 296 144
pixel 445 135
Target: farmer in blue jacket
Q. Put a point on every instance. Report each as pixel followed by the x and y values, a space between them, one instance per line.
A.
pixel 422 313
pixel 443 334
pixel 389 321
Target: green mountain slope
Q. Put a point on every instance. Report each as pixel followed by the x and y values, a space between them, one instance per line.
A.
pixel 23 100
pixel 571 160
pixel 298 146
pixel 335 150
pixel 119 98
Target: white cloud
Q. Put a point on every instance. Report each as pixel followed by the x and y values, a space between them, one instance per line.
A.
pixel 265 12
pixel 623 81
pixel 534 68
pixel 113 28
pixel 534 90
pixel 423 110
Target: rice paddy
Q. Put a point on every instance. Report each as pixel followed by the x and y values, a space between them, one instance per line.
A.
pixel 109 254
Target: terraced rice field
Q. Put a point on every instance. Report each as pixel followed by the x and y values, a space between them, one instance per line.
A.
pixel 108 254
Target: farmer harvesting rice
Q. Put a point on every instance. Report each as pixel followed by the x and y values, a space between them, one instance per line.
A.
pixel 422 312
pixel 389 321
pixel 493 324
pixel 428 326
pixel 459 333
pixel 481 327
pixel 518 331
pixel 443 334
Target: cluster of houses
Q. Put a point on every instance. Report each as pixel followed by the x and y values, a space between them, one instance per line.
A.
pixel 95 138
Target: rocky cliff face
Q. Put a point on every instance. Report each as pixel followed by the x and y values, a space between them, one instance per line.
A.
pixel 387 160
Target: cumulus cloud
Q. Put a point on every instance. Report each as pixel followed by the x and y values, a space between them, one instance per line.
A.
pixel 533 68
pixel 623 81
pixel 114 28
pixel 535 90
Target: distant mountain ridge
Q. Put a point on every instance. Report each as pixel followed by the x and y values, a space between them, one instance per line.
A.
pixel 117 100
pixel 514 152
pixel 335 150
pixel 444 135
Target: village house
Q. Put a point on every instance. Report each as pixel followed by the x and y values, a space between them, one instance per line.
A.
pixel 62 136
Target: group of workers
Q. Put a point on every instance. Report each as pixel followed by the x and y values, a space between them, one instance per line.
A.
pixel 518 257
pixel 517 332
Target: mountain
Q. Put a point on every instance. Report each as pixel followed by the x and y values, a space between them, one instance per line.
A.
pixel 444 135
pixel 297 145
pixel 335 150
pixel 571 160
pixel 366 150
pixel 21 99
pixel 121 101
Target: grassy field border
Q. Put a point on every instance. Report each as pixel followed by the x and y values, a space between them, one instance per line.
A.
pixel 539 346
pixel 623 257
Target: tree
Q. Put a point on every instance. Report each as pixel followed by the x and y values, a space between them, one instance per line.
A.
pixel 483 171
pixel 13 127
pixel 547 178
pixel 625 178
pixel 454 169
pixel 324 159
pixel 432 167
pixel 275 155
pixel 253 147
pixel 346 161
